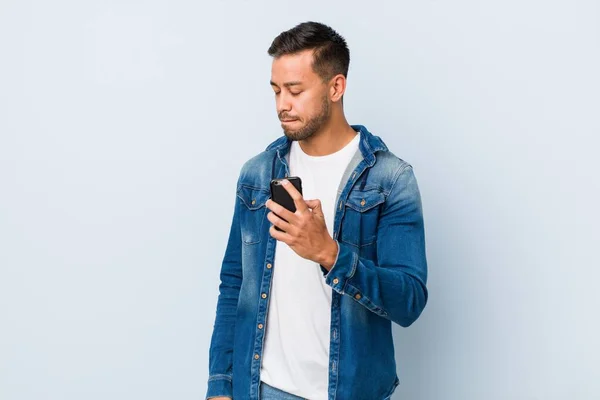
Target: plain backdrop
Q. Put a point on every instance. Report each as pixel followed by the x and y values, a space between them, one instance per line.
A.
pixel 123 126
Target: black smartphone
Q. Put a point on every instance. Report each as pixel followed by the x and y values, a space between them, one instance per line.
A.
pixel 281 196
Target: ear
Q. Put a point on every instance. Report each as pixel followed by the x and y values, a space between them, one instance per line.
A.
pixel 337 87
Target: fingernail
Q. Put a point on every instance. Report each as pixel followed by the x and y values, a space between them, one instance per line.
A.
pixel 285 182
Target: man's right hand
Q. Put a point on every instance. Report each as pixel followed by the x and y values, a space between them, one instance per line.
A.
pixel 219 398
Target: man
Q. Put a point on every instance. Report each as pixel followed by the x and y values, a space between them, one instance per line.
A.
pixel 306 312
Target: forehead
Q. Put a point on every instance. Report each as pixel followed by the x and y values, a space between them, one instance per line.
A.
pixel 293 67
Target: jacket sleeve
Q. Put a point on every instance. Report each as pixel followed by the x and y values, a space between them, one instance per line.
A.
pixel 395 286
pixel 221 346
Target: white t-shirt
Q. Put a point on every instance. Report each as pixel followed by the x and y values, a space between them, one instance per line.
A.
pixel 296 349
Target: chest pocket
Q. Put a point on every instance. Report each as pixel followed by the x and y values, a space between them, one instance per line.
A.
pixel 359 225
pixel 253 213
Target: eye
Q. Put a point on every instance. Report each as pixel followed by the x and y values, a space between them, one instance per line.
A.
pixel 295 94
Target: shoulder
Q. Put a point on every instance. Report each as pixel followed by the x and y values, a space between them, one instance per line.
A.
pixel 390 161
pixel 388 168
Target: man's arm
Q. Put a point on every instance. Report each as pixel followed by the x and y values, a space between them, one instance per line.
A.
pixel 221 346
pixel 394 287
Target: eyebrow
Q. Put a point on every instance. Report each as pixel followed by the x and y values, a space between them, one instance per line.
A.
pixel 287 84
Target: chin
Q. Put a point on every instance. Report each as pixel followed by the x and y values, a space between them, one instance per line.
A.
pixel 295 135
pixel 298 134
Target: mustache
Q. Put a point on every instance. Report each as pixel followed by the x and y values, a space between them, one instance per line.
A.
pixel 286 117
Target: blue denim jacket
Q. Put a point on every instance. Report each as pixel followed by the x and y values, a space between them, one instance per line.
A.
pixel 379 275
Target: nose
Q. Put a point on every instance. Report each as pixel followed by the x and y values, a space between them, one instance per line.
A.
pixel 283 103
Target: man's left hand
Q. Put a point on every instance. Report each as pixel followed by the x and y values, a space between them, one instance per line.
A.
pixel 305 231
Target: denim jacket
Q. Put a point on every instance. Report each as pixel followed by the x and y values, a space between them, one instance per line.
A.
pixel 379 276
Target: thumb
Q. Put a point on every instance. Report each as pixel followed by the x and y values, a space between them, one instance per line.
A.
pixel 315 206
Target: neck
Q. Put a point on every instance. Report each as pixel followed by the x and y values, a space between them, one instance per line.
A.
pixel 332 137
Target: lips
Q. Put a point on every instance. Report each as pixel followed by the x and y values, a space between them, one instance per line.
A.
pixel 288 120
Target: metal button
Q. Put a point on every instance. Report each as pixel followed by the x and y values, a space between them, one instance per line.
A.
pixel 357 296
pixel 269 266
pixel 253 201
pixel 340 205
pixel 264 295
pixel 336 281
pixel 353 175
pixel 256 356
pixel 260 326
pixel 363 202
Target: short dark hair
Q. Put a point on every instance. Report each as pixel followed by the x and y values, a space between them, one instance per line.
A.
pixel 331 54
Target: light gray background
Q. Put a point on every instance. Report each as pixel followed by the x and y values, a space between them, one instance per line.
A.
pixel 123 126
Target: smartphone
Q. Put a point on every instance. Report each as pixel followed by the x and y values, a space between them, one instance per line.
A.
pixel 281 196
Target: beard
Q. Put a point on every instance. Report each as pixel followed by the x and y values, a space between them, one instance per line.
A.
pixel 312 125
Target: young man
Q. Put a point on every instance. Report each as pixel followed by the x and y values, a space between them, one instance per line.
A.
pixel 306 312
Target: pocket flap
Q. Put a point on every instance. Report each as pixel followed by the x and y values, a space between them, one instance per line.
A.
pixel 363 201
pixel 252 197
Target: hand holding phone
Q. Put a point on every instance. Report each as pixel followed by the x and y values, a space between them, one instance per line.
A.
pixel 281 196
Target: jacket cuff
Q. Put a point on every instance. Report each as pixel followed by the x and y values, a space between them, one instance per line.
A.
pixel 343 268
pixel 219 385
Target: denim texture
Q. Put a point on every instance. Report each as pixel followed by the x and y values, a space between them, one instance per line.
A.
pixel 379 276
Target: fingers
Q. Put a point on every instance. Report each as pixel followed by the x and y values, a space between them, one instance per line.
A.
pixel 313 203
pixel 281 211
pixel 280 223
pixel 281 236
pixel 315 206
pixel 296 196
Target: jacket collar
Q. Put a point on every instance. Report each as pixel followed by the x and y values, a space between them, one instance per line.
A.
pixel 369 144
